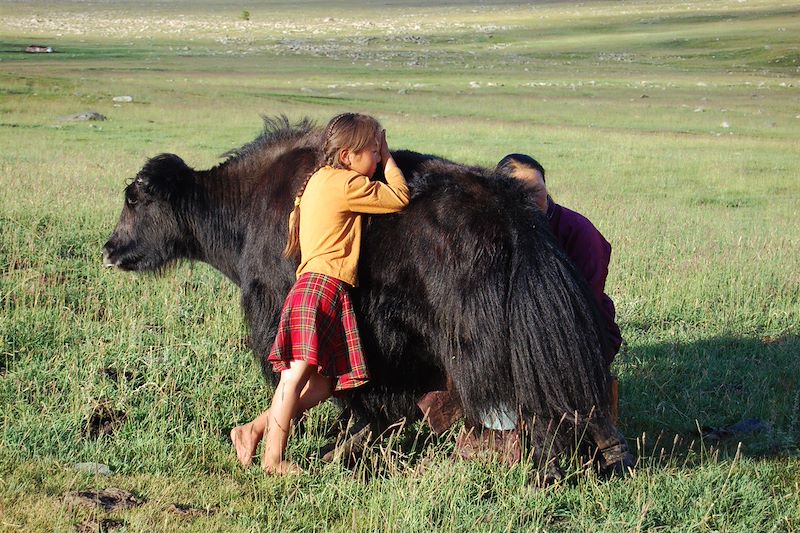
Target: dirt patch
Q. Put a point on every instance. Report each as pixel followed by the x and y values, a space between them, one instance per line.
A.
pixel 111 499
pixel 103 420
pixel 117 376
pixel 93 526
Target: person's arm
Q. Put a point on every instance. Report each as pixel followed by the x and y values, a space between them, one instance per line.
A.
pixel 593 263
pixel 595 268
pixel 374 197
pixel 590 252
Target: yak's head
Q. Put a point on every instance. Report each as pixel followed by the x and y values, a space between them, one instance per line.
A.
pixel 152 232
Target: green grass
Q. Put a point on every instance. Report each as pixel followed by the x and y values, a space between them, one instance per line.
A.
pixel 672 126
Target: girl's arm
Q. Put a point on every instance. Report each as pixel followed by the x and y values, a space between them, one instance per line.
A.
pixel 386 158
pixel 367 196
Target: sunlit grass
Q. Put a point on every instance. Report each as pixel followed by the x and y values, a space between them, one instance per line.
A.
pixel 672 126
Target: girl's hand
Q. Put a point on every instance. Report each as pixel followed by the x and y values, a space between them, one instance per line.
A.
pixel 387 161
pixel 385 153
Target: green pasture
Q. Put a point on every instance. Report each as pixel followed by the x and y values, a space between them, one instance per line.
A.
pixel 673 125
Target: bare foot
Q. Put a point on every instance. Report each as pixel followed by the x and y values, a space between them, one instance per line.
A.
pixel 282 468
pixel 245 440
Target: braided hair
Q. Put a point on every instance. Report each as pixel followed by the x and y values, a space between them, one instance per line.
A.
pixel 353 131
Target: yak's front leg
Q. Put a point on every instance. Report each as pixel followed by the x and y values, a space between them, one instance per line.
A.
pixel 350 436
pixel 368 415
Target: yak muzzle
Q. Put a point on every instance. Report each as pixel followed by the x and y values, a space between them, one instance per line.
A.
pixel 108 251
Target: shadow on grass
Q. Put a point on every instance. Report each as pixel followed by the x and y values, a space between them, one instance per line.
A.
pixel 681 404
pixel 718 392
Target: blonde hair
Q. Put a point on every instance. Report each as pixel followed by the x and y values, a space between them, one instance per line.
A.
pixel 353 131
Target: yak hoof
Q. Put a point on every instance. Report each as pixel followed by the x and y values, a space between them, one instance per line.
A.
pixel 616 460
pixel 551 474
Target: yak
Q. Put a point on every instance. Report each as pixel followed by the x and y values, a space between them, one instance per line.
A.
pixel 466 286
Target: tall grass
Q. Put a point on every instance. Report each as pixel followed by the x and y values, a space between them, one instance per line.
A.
pixel 672 126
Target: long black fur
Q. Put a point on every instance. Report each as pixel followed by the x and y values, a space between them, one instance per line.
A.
pixel 467 282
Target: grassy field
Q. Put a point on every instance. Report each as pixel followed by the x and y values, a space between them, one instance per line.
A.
pixel 672 125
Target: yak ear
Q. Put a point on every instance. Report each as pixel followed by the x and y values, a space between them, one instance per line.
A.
pixel 165 175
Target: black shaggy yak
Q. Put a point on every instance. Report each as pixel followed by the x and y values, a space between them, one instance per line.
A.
pixel 467 282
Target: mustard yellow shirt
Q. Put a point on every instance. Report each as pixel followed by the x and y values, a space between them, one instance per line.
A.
pixel 330 218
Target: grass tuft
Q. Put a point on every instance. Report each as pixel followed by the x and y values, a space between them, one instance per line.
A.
pixel 669 124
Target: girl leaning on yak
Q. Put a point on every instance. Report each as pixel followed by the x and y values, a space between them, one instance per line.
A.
pixel 317 349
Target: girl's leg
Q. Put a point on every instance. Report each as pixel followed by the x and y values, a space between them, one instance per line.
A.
pixel 245 438
pixel 318 389
pixel 284 407
pixel 300 388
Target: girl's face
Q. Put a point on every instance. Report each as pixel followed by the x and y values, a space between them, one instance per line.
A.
pixel 364 162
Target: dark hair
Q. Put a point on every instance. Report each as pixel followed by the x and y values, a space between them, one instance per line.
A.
pixel 506 164
pixel 346 130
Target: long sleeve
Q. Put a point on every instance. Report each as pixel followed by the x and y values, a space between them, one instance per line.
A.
pixel 593 263
pixel 374 197
pixel 331 213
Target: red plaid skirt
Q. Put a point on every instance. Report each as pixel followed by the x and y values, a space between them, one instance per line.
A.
pixel 318 325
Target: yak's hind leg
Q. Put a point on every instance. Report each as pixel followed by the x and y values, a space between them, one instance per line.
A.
pixel 593 436
pixel 613 455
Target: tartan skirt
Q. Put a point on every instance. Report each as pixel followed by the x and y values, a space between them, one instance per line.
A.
pixel 318 325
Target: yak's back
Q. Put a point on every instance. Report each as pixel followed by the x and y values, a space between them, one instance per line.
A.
pixel 471 267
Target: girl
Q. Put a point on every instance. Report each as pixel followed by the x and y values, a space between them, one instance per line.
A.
pixel 317 349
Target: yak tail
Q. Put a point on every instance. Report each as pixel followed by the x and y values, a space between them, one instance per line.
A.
pixel 527 346
pixel 555 340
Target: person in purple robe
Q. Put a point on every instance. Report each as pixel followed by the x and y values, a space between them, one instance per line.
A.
pixel 586 247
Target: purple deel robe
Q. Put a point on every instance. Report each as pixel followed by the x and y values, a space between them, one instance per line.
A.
pixel 590 252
